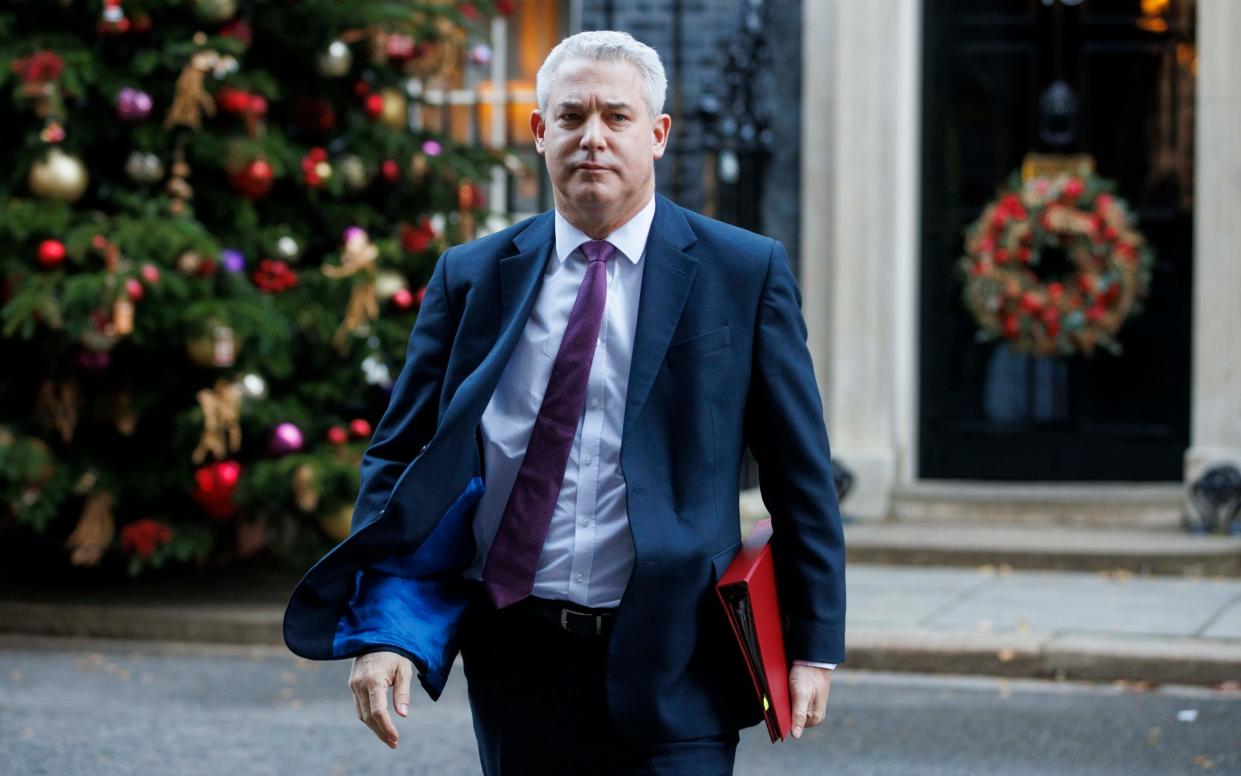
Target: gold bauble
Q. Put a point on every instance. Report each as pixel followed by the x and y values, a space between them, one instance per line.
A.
pixel 58 176
pixel 396 108
pixel 336 524
pixel 214 344
pixel 215 10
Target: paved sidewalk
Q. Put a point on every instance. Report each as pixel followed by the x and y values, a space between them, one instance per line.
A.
pixel 986 620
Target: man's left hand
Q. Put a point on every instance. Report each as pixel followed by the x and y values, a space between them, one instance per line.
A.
pixel 808 687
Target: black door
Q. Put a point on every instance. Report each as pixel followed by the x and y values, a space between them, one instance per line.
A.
pixel 987 413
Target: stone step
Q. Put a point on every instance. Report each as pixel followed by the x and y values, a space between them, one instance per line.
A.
pixel 1042 547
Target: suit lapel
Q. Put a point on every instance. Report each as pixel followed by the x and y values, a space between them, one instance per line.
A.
pixel 666 280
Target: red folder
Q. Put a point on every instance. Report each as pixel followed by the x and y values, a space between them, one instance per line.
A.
pixel 748 593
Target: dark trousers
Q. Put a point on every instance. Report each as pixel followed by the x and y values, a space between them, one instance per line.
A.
pixel 537 697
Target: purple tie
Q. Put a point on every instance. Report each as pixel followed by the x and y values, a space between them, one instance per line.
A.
pixel 514 557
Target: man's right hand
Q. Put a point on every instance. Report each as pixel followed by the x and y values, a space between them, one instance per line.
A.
pixel 372 675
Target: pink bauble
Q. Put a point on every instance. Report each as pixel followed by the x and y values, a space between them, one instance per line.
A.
pixel 133 104
pixel 286 438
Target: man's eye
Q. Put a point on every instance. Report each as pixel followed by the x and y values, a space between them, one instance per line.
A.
pixel 569 116
pixel 620 116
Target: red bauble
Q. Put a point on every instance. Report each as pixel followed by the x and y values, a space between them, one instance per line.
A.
pixel 213 488
pixel 150 273
pixel 402 299
pixel 337 435
pixel 143 537
pixel 254 179
pixel 1030 302
pixel 1074 188
pixel 51 253
pixel 374 106
pixel 416 239
pixel 390 170
pixel 232 100
pixel 257 104
pixel 359 428
pixel 1095 312
pixel 314 114
pixel 134 289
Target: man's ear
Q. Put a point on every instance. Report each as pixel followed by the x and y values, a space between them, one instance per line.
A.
pixel 537 127
pixel 659 132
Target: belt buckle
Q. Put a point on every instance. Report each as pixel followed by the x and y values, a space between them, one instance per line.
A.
pixel 564 620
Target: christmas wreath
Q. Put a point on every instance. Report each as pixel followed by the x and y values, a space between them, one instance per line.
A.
pixel 1022 229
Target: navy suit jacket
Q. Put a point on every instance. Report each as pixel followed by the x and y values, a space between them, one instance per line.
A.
pixel 719 362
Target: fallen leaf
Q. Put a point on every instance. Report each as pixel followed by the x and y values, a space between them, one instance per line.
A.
pixel 1152 737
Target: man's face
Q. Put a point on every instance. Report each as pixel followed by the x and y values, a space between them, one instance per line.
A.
pixel 599 140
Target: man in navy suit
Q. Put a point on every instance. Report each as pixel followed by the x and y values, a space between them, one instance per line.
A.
pixel 601 368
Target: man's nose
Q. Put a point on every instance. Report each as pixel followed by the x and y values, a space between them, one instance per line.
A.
pixel 593 133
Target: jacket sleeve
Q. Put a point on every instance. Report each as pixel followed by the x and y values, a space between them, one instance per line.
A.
pixel 413 410
pixel 786 433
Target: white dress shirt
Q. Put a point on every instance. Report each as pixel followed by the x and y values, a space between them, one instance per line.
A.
pixel 588 555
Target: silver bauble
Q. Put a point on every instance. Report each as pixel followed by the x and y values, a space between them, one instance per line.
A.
pixel 254 386
pixel 353 172
pixel 288 249
pixel 336 61
pixel 144 167
pixel 388 283
pixel 58 176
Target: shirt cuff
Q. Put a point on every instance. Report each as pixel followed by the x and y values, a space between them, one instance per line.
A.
pixel 812 663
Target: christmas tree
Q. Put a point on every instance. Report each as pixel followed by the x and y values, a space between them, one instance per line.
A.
pixel 217 221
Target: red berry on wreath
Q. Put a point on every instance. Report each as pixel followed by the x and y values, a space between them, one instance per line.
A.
pixel 390 170
pixel 1011 327
pixel 1055 290
pixel 1001 256
pixel 1024 255
pixel 51 253
pixel 1095 312
pixel 337 435
pixel 360 428
pixel 150 273
pixel 1030 302
pixel 134 289
pixel 1074 188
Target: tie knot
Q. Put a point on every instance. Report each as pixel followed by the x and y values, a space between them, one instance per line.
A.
pixel 598 250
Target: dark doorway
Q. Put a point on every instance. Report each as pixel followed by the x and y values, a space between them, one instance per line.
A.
pixel 987 413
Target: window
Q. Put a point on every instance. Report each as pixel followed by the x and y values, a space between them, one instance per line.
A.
pixel 488 100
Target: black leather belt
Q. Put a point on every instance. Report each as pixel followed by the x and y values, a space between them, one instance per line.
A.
pixel 569 616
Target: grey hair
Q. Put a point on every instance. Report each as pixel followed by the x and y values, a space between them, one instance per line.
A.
pixel 606 46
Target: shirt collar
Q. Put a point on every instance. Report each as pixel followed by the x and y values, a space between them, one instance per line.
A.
pixel 629 238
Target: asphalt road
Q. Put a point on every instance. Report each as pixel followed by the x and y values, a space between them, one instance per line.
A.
pixel 105 708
